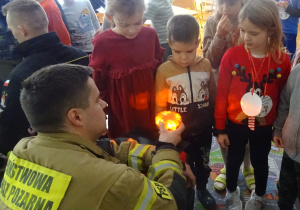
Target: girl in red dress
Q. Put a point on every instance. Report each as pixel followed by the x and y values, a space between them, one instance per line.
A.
pixel 125 59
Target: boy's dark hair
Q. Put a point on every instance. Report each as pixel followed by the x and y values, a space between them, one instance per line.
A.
pixel 183 28
pixel 49 94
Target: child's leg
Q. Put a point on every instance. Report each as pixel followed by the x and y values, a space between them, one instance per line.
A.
pixel 199 150
pixel 248 171
pixel 238 136
pixel 220 181
pixel 260 145
pixel 198 158
pixel 288 181
pixel 202 159
pixel 224 153
pixel 247 162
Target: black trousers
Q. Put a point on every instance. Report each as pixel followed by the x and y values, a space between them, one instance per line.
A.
pixel 260 144
pixel 289 183
pixel 198 157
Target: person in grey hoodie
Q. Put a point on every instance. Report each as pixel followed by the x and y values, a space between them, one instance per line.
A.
pixel 286 135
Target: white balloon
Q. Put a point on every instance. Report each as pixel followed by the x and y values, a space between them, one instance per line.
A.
pixel 251 104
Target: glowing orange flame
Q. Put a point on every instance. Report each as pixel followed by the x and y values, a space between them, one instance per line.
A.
pixel 170 119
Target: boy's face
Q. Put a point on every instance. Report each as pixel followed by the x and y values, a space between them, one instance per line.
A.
pixel 230 8
pixel 184 54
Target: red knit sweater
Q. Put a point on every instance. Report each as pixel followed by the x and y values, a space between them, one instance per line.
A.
pixel 236 79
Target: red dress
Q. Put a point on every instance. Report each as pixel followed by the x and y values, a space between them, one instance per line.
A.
pixel 124 74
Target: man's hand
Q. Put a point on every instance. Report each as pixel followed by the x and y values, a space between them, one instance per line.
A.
pixel 173 137
pixel 191 179
pixel 223 140
pixel 224 27
pixel 278 141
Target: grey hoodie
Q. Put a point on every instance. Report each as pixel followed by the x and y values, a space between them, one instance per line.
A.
pixel 287 123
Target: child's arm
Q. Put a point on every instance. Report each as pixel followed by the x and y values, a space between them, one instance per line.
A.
pixel 223 91
pixel 212 88
pixel 93 16
pixel 283 109
pixel 97 62
pixel 213 46
pixel 162 92
pixel 293 10
pixel 152 8
pixel 222 100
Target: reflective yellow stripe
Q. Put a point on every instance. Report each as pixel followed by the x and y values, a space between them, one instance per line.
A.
pixel 147 197
pixel 162 166
pixel 136 156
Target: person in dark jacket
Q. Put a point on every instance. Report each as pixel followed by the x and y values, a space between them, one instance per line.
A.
pixel 29 25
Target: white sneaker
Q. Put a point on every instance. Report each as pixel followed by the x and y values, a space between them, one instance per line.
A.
pixel 255 202
pixel 233 201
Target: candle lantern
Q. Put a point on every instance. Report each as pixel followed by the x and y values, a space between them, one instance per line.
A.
pixel 171 120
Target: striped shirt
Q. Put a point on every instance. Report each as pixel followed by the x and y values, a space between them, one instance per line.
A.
pixel 159 12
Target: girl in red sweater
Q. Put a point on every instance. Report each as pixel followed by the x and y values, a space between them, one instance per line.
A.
pixel 125 59
pixel 251 78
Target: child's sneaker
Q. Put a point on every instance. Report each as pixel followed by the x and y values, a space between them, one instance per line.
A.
pixel 233 200
pixel 206 199
pixel 255 202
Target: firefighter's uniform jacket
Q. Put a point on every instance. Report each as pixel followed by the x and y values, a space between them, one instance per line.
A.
pixel 96 179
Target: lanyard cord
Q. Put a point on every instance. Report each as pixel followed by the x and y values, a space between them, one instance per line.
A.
pixel 235 36
pixel 255 73
pixel 78 59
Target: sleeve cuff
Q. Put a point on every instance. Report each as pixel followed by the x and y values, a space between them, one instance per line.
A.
pixel 277 132
pixel 164 145
pixel 216 132
pixel 219 43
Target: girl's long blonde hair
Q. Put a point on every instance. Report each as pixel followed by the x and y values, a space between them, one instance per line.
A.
pixel 264 14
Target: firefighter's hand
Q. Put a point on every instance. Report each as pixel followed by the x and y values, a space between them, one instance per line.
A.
pixel 173 137
pixel 223 140
pixel 190 178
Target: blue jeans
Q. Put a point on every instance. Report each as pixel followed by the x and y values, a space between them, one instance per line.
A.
pixel 290 43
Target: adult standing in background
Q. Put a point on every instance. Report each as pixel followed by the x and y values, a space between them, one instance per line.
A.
pixel 159 12
pixel 83 23
pixel 289 11
pixel 97 4
pixel 56 22
pixel 7 43
pixel 29 24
